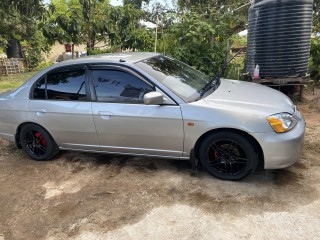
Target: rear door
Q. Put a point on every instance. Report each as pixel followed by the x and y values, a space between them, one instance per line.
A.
pixel 60 102
pixel 125 124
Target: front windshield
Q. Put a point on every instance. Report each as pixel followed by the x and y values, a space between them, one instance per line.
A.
pixel 180 78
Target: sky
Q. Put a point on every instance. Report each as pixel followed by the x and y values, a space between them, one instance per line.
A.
pixel 116 2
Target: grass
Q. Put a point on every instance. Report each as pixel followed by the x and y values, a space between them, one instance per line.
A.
pixel 14 81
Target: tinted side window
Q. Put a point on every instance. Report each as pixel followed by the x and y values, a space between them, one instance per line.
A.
pixel 67 85
pixel 119 87
pixel 39 91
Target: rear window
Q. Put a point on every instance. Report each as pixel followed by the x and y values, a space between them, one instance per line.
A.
pixel 67 85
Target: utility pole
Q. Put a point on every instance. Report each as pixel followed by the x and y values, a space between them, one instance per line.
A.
pixel 156 37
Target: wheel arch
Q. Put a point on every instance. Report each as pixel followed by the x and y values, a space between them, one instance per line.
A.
pixel 242 133
pixel 17 135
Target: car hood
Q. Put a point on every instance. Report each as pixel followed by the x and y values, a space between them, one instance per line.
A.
pixel 246 95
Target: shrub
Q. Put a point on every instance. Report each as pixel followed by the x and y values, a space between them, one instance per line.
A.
pixel 43 65
pixel 96 51
pixel 314 62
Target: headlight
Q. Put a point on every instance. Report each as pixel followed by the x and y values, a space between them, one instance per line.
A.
pixel 282 122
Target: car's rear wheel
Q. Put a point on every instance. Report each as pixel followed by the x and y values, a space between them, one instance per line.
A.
pixel 37 142
pixel 228 155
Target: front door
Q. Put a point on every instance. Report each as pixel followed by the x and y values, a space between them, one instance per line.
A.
pixel 125 124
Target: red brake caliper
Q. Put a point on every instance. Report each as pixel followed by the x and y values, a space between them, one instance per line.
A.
pixel 42 139
pixel 216 154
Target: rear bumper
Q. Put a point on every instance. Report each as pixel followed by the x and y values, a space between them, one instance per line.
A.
pixel 282 150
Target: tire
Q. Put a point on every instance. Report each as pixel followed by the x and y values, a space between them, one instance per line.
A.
pixel 37 143
pixel 228 155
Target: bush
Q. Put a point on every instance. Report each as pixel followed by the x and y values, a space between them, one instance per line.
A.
pixel 102 50
pixel 43 65
pixel 33 57
pixel 314 62
pixel 236 67
pixel 238 41
pixel 33 48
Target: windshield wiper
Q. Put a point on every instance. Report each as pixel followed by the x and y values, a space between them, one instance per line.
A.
pixel 215 81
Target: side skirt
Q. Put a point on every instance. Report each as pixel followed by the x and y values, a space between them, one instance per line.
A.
pixel 127 154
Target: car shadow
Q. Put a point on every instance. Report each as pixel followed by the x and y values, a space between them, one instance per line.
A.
pixel 82 160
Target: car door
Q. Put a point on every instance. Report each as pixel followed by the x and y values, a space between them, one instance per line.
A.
pixel 60 103
pixel 125 124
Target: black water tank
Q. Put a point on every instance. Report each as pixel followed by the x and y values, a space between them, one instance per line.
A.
pixel 279 35
pixel 14 49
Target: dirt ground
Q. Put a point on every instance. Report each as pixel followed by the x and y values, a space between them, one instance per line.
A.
pixel 91 196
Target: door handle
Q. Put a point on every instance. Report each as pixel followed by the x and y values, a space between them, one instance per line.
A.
pixel 105 115
pixel 40 112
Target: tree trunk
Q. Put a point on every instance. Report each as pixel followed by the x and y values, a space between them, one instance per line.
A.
pixel 90 46
pixel 72 50
pixel 212 41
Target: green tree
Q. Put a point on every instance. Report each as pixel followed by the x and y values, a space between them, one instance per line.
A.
pixel 163 18
pixel 206 38
pixel 314 63
pixel 77 21
pixel 137 4
pixel 20 24
pixel 126 31
pixel 316 16
pixel 62 24
pixel 92 21
pixel 19 18
pixel 33 48
pixel 197 38
pixel 238 7
pixel 95 24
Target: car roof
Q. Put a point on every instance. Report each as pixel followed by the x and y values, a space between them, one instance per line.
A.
pixel 130 57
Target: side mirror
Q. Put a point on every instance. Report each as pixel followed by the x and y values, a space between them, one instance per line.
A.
pixel 153 98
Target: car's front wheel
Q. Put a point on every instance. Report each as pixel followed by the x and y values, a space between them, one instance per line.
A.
pixel 37 142
pixel 228 155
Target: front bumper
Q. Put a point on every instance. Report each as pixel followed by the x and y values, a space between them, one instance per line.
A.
pixel 282 150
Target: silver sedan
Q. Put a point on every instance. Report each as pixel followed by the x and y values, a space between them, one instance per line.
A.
pixel 147 104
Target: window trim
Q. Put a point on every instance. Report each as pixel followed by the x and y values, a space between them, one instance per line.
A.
pixel 63 69
pixel 31 94
pixel 90 91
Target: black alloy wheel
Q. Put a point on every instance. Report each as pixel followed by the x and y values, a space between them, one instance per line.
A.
pixel 228 155
pixel 37 143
